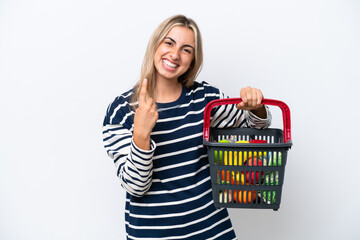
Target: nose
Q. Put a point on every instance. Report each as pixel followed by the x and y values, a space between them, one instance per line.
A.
pixel 175 54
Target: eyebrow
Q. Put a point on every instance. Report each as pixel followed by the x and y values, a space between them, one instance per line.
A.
pixel 185 45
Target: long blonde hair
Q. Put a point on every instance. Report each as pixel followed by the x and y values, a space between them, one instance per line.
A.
pixel 148 70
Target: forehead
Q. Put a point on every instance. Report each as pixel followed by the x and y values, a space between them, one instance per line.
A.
pixel 182 35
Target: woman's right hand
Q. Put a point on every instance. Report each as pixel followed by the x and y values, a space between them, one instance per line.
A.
pixel 145 118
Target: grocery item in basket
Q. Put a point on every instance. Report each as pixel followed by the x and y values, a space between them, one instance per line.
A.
pixel 244 196
pixel 225 197
pixel 227 180
pixel 236 178
pixel 243 156
pixel 269 197
pixel 254 180
pixel 257 141
pixel 218 157
pixel 239 157
pixel 254 161
pixel 272 178
pixel 240 178
pixel 279 159
pixel 274 159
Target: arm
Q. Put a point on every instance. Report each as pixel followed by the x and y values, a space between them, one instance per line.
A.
pixel 131 151
pixel 249 113
pixel 134 165
pixel 259 116
pixel 145 118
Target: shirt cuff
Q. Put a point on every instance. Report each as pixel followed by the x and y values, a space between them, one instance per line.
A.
pixel 151 151
pixel 253 116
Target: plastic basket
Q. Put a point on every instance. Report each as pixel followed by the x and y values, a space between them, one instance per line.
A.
pixel 247 175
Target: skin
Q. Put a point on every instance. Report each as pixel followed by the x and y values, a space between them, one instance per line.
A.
pixel 173 58
pixel 145 118
pixel 251 100
pixel 177 48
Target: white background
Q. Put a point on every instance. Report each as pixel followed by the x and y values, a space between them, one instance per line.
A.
pixel 63 62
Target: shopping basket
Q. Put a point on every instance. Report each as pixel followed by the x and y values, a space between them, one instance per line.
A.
pixel 247 165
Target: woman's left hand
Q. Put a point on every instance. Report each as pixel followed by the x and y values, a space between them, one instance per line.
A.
pixel 251 100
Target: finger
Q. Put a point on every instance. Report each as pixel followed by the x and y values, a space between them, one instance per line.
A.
pixel 254 97
pixel 154 106
pixel 260 97
pixel 257 98
pixel 249 96
pixel 150 102
pixel 143 92
pixel 240 105
pixel 243 97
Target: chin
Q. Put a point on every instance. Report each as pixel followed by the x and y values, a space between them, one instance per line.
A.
pixel 169 76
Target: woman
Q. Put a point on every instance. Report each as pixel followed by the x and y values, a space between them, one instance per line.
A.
pixel 154 135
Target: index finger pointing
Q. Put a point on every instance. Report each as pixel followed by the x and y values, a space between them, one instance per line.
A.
pixel 143 92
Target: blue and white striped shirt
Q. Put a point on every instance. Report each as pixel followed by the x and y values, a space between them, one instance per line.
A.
pixel 168 187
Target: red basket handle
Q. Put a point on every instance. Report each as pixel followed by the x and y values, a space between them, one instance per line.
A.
pixel 284 108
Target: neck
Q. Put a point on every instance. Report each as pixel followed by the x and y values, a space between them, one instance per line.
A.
pixel 168 91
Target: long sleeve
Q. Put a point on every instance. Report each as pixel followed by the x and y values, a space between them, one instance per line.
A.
pixel 134 166
pixel 179 203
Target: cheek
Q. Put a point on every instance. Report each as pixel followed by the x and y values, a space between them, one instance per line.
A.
pixel 188 61
pixel 156 56
pixel 158 53
pixel 157 59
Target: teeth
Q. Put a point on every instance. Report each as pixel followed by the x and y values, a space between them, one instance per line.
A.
pixel 166 62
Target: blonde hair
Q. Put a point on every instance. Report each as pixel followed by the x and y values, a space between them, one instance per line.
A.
pixel 148 70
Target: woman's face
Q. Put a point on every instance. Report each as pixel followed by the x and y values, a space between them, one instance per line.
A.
pixel 175 53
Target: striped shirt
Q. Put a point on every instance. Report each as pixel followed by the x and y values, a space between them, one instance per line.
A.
pixel 168 187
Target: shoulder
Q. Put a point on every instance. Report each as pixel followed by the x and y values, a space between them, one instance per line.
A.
pixel 120 109
pixel 204 89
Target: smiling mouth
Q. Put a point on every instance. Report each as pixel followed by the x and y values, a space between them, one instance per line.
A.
pixel 168 64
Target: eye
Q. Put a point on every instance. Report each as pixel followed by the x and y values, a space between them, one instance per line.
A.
pixel 187 50
pixel 169 43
